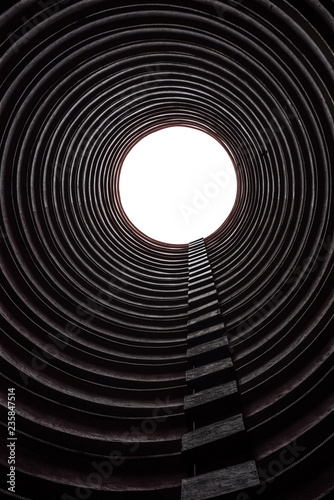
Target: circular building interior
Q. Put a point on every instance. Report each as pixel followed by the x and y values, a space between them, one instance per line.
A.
pixel 132 368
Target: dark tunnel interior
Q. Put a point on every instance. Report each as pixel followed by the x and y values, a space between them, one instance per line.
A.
pixel 135 369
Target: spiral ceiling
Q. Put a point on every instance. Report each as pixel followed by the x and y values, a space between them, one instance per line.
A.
pixel 94 330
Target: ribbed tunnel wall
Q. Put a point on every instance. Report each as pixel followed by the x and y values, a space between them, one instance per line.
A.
pixel 94 312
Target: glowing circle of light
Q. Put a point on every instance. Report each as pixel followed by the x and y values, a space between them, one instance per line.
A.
pixel 177 185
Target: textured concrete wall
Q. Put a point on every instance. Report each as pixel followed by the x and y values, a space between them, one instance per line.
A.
pixel 94 331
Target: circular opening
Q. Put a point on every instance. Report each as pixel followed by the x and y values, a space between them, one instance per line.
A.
pixel 177 185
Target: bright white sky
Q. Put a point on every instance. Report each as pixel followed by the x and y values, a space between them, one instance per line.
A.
pixel 177 185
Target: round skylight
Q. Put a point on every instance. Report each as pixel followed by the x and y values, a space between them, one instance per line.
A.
pixel 177 185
